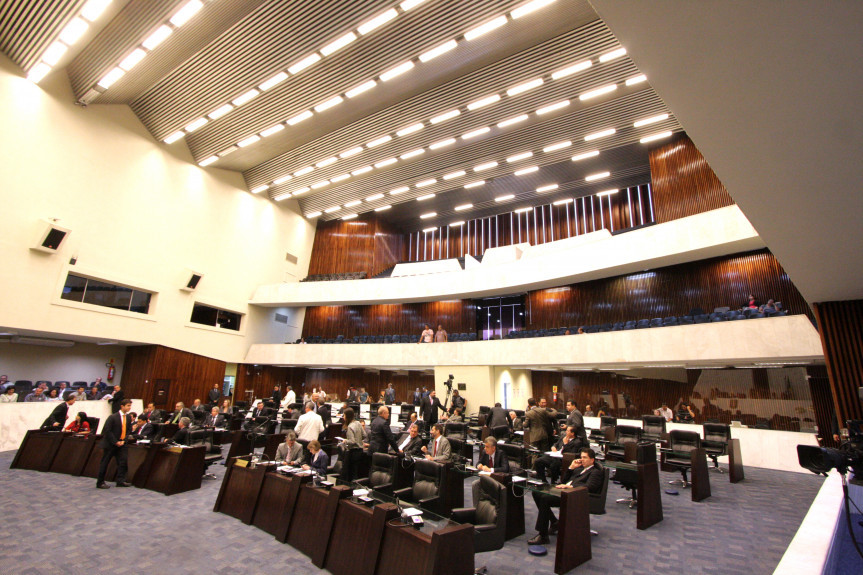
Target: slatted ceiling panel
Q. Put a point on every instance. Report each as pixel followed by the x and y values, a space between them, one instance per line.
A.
pixel 112 45
pixel 340 72
pixel 269 40
pixel 494 78
pixel 27 27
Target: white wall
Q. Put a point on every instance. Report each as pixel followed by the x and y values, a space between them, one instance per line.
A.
pixel 478 380
pixel 82 362
pixel 141 212
pixel 520 387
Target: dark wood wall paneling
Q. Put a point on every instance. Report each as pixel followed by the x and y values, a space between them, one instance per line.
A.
pixel 672 290
pixel 191 376
pixel 628 208
pixel 457 316
pixel 841 328
pixel 683 182
pixel 365 244
pixel 822 402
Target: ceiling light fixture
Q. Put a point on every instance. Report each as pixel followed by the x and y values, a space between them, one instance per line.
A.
pixel 338 43
pixel 363 170
pixel 585 155
pixel 319 185
pixel 349 216
pixel 377 21
pixel 526 171
pixel 206 162
pixel 425 197
pixel 313 215
pixel 483 102
pixel 598 92
pixel 387 162
pixel 326 162
pixel 522 210
pixel 650 120
pixel 300 117
pixel 283 179
pixel 463 207
pixel 340 178
pixel 606 193
pixel 412 153
pixel 260 189
pixel 280 197
pixel 474 184
pixel 94 8
pixel 408 4
pixel 600 134
pixel 570 70
pixel 428 215
pixel 191 127
pixel 429 230
pixel 552 107
pixel 186 12
pixel 272 130
pixel 111 77
pixel 442 144
pixel 561 202
pixel 127 63
pixel 511 121
pixel 475 133
pixel 74 30
pixel 653 137
pixel 351 152
pixel 382 208
pixel 220 111
pixel 504 198
pixel 157 37
pixel 410 129
pixel 174 137
pixel 397 71
pixel 517 157
pixel 353 203
pixel 242 99
pixel 275 80
pixel 636 80
pixel 597 176
pixel 485 28
pixel 445 116
pixel 332 209
pixel 353 92
pixel 613 55
pixel 399 190
pixel 379 141
pixel 229 150
pixel 557 146
pixel 304 63
pixel 303 171
pixel 547 188
pixel 425 183
pixel 526 9
pixel 435 52
pixel 515 90
pixel 455 224
pixel 485 166
pixel 334 101
pixel 302 190
pixel 454 175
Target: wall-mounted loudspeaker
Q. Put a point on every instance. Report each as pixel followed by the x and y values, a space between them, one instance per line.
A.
pixel 50 237
pixel 192 281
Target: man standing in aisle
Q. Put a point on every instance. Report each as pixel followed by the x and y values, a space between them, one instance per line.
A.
pixel 113 444
pixel 214 395
pixel 429 408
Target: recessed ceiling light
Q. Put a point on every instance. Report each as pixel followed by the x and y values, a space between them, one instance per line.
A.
pixel 598 92
pixel 94 8
pixel 326 162
pixel 351 152
pixel 249 141
pixel 553 107
pixel 363 170
pixel 504 198
pixel 606 192
pixel 435 52
pixel 614 54
pixel 397 71
pixel 319 185
pixel 275 80
pixel 483 102
pixel 379 141
pixel 445 116
pixel 475 133
pixel 354 92
pixel 525 171
pixel 273 130
pixel 338 43
pixel 425 197
pixel 313 215
pixel 38 72
pixel 515 90
pixel 353 203
pixel 547 188
pixel 522 210
pixel 410 129
pixel 195 125
pixel 455 224
pixel 111 77
pixel 154 39
pixel 526 9
pixel 597 176
pixel 75 29
pixel 485 166
pixel 485 28
pixel 227 151
pixel 600 134
pixel 425 183
pixel 349 216
pixel 304 63
pixel 397 191
pixel 428 215
pixel 463 207
pixel 260 189
pixel 453 175
pixel 174 137
pixel 220 111
pixel 557 146
pixel 283 179
pixel 474 184
pixel 303 171
pixel 334 101
pixel 332 209
pixel 442 143
pixel 127 64
pixel 511 121
pixel 243 98
pixel 374 197
pixel 517 157
pixel 186 12
pixel 377 21
pixel 386 162
pixel 429 230
pixel 561 202
pixel 282 196
pixel 412 153
pixel 408 4
pixel 636 80
pixel 302 190
pixel 653 137
pixel 208 161
pixel 300 117
pixel 570 70
pixel 339 178
pixel 584 156
pixel 650 120
pixel 382 208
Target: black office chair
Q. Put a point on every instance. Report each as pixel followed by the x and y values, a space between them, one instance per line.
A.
pixel 501 432
pixel 516 456
pixel 653 428
pixel 381 474
pixel 488 515
pixel 605 422
pixel 94 423
pixel 715 443
pixel 455 430
pixel 623 434
pixel 596 501
pixel 681 443
pixel 212 453
pixel 428 487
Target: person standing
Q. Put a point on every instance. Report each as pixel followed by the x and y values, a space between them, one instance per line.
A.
pixel 427 336
pixel 352 446
pixel 429 408
pixel 116 399
pixel 541 423
pixel 113 444
pixel 389 394
pixel 441 336
pixel 290 397
pixel 214 394
pixel 381 436
pixel 418 397
pixel 57 419
pixel 277 395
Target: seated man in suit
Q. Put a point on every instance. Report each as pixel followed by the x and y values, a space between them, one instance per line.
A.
pixel 456 416
pixel 57 419
pixel 517 422
pixel 412 444
pixel 439 448
pixel 584 471
pixel 182 435
pixel 320 460
pixel 143 429
pixel 569 443
pixel 214 418
pixel 256 416
pixel 198 406
pixel 492 459
pixel 180 411
pixel 291 452
pixel 412 420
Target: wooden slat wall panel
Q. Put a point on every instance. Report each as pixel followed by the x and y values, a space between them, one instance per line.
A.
pixel 673 290
pixel 363 244
pixel 683 183
pixel 192 376
pixel 822 400
pixel 841 327
pixel 457 316
pixel 136 379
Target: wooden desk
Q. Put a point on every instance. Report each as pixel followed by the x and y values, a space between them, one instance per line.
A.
pixel 735 461
pixel 240 445
pixel 313 518
pixel 238 494
pixel 453 496
pixel 140 462
pixel 272 444
pixel 573 536
pixel 176 469
pixel 699 475
pixel 73 454
pixel 514 507
pixel 91 469
pixel 275 505
pixel 360 529
pixel 446 551
pixel 37 450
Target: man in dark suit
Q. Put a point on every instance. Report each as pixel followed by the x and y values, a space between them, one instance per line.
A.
pixel 584 471
pixel 541 421
pixel 143 429
pixel 381 436
pixel 492 459
pixel 576 420
pixel 429 407
pixel 214 418
pixel 57 419
pixel 180 410
pixel 412 444
pixel 117 398
pixel 418 397
pixel 215 394
pixel 113 443
pixel 182 436
pixel 569 443
pixel 412 420
pixel 389 394
pixel 198 406
pixel 325 412
pixel 497 417
pixel 277 395
pixel 257 416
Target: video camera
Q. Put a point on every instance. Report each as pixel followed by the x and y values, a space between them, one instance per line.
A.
pixel 448 382
pixel 848 456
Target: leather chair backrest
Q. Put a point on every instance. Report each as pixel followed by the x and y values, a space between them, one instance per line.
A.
pixel 427 479
pixel 457 430
pixel 457 446
pixel 718 432
pixel 596 502
pixel 94 423
pixel 627 434
pixel 500 432
pixel 684 441
pixel 382 470
pixel 607 421
pixel 653 425
pixel 487 497
pixel 515 454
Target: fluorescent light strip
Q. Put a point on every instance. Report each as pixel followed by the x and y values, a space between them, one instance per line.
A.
pixel 463 207
pixel 387 162
pixel 313 215
pixel 38 72
pixel 561 202
pixel 283 179
pixel 474 184
pixel 552 107
pixel 522 210
pixel 230 150
pixel 445 116
pixel 570 70
pixel 334 101
pixel 304 63
pixel 242 99
pixel 458 223
pixel 260 189
pixel 379 141
pixel 511 121
pixel 435 52
pixel 354 92
pixel 206 162
pixel 425 197
pixel 504 198
pixel 186 12
pixel 272 130
pixel 382 208
pixel 483 102
pixel 600 134
pixel 326 162
pixel 340 178
pixel 397 71
pixel 248 141
pixel 517 157
pixel 425 183
pixel 74 30
pixel 174 137
pixel 526 9
pixel 597 176
pixel 332 209
pixel 475 133
pixel 410 129
pixel 547 188
pixel 485 166
pixel 191 127
pixel 363 170
pixel 157 37
pixel 319 185
pixel 557 146
pixel 429 230
pixel 598 92
pixel 353 203
pixel 650 120
pixel 303 171
pixel 606 193
pixel 338 43
pixel 127 63
pixel 302 190
pixel 484 28
pixel 275 80
pixel 428 215
pixel 398 191
pixel 377 21
pixel 350 216
pixel 281 197
pixel 636 80
pixel 584 156
pixel 220 111
pixel 300 117
pixel 653 137
pixel 454 175
pixel 408 4
pixel 515 90
pixel 525 171
pixel 614 54
pixel 412 153
pixel 111 77
pixel 351 152
pixel 442 144
pixel 94 8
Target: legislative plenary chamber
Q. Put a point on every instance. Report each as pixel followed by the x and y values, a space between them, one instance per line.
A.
pixel 425 286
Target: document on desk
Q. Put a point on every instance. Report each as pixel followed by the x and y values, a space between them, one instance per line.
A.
pixel 558 454
pixel 411 511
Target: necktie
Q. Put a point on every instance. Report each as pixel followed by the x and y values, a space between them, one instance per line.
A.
pixel 123 431
pixel 434 449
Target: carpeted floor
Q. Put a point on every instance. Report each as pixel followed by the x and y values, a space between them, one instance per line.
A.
pixel 58 524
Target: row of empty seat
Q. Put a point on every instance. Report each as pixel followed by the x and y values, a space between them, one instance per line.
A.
pixel 334 277
pixel 384 338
